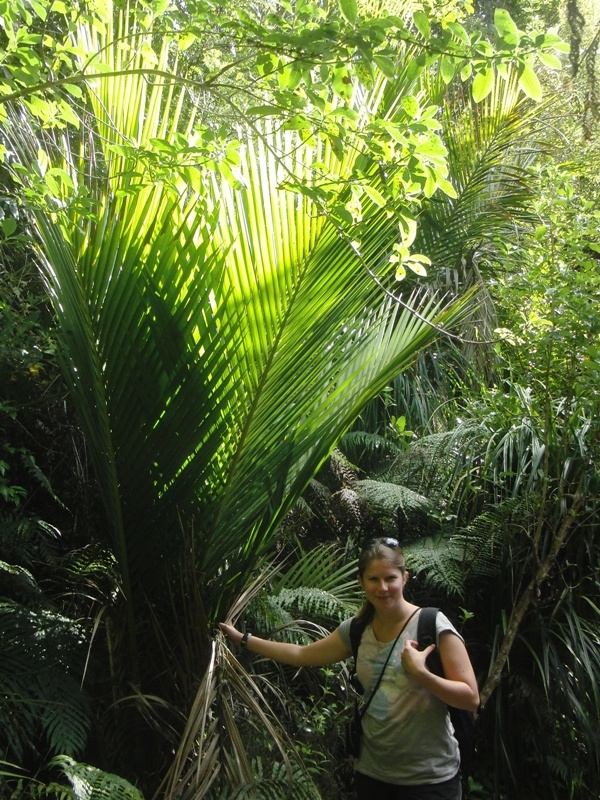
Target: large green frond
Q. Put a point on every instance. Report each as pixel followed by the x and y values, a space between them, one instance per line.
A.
pixel 218 338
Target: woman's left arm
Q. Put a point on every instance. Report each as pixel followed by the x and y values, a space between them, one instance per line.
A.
pixel 459 686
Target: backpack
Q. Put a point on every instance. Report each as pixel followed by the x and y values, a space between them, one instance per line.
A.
pixel 463 721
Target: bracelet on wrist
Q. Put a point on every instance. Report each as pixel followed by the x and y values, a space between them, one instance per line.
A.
pixel 244 639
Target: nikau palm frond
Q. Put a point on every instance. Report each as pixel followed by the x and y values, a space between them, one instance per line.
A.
pixel 218 340
pixel 206 733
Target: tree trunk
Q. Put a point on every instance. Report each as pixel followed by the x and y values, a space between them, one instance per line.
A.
pixel 522 605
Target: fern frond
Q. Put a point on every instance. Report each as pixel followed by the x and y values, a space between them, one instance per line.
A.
pixel 433 559
pixel 392 501
pixel 91 783
pixel 426 466
pixel 273 786
pixel 43 700
pixel 18 583
pixel 27 540
pixel 476 551
pixel 368 449
pixel 266 614
pixel 65 719
pixel 323 567
pixel 479 545
pixel 30 464
pixel 314 603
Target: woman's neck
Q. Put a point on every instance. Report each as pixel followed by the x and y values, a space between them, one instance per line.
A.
pixel 387 625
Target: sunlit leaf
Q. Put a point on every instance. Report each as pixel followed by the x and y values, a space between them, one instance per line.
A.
pixel 349 10
pixel 421 21
pixel 483 83
pixel 374 195
pixel 529 82
pixel 550 60
pixel 505 25
pixel 386 65
pixel 447 68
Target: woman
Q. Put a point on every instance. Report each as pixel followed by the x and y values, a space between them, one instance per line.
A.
pixel 408 750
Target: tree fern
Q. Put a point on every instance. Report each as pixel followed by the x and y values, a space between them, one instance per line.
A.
pixel 426 465
pixel 368 450
pixel 18 582
pixel 65 719
pixel 324 566
pixel 325 578
pixel 27 540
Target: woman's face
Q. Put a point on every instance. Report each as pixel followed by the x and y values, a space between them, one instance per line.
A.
pixel 383 583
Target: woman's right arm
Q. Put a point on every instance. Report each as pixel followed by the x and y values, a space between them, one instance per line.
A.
pixel 316 654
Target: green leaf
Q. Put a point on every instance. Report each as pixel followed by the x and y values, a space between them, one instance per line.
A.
pixel 460 33
pixel 9 226
pixel 505 25
pixel 502 68
pixel 40 9
pixel 186 40
pixel 68 114
pixel 386 65
pixel 550 60
pixel 246 18
pixel 447 187
pixel 410 104
pixel 421 21
pixel 529 82
pixel 415 264
pixel 263 111
pixel 466 72
pixel 374 195
pixel 552 41
pixel 341 82
pixel 483 83
pixel 447 68
pixel 349 10
pixel 408 229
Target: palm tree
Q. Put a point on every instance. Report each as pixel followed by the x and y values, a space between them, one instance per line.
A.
pixel 217 340
pixel 219 333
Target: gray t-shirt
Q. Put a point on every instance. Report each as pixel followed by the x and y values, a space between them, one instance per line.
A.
pixel 407 734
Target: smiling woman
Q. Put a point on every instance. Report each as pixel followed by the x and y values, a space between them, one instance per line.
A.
pixel 408 751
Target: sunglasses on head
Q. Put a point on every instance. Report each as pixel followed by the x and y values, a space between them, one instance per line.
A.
pixel 388 541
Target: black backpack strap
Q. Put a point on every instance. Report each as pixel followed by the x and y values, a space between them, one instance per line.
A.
pixel 426 635
pixel 357 628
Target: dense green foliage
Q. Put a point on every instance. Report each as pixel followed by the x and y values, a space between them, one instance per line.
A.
pixel 261 236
